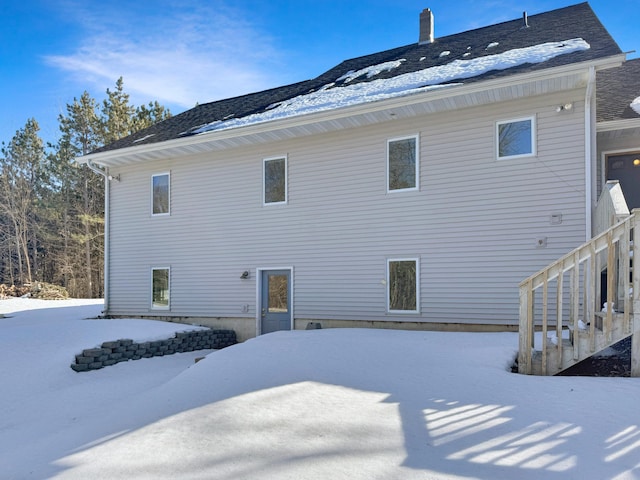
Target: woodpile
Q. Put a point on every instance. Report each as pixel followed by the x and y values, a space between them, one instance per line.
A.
pixel 40 290
pixel 7 291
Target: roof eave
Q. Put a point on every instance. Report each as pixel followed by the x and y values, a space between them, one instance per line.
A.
pixel 327 120
pixel 623 124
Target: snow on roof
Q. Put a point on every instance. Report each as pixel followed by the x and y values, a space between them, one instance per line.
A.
pixel 636 105
pixel 371 71
pixel 144 138
pixel 331 96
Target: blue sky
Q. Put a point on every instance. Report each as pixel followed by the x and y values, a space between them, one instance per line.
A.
pixel 183 52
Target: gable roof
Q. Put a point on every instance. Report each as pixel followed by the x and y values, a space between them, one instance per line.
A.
pixel 616 89
pixel 567 36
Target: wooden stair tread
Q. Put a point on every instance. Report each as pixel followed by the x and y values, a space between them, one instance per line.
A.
pixel 556 365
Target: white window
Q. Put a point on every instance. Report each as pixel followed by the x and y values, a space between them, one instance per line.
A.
pixel 160 193
pixel 402 164
pixel 160 288
pixel 403 285
pixel 516 138
pixel 274 173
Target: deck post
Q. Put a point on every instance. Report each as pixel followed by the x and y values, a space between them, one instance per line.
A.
pixel 582 297
pixel 635 348
pixel 526 330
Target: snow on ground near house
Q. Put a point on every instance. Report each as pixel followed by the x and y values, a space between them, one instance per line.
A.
pixel 331 97
pixel 334 403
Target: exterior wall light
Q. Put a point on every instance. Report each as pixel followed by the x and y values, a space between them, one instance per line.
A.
pixel 566 106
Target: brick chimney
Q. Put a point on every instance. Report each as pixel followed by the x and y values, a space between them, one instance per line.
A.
pixel 426 27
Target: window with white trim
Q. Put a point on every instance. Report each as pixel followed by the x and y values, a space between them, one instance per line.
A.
pixel 160 288
pixel 274 173
pixel 160 193
pixel 403 285
pixel 516 138
pixel 402 164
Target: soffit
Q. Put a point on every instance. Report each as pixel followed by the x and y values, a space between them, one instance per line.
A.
pixel 619 130
pixel 446 99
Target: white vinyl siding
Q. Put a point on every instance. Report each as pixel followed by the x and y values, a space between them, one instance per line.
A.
pixel 160 193
pixel 516 138
pixel 474 222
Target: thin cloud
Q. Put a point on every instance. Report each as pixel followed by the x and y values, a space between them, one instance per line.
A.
pixel 184 56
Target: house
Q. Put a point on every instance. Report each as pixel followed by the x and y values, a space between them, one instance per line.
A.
pixel 411 188
pixel 589 299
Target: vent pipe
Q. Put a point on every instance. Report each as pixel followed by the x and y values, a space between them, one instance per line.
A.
pixel 426 27
pixel 525 20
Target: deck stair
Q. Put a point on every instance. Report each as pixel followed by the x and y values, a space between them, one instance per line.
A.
pixel 559 358
pixel 562 320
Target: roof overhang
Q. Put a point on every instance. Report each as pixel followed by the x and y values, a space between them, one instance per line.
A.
pixel 616 130
pixel 616 125
pixel 510 87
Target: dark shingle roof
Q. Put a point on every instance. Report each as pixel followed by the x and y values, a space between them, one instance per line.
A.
pixel 181 125
pixel 576 21
pixel 616 89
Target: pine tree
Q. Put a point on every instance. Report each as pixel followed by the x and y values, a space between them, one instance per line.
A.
pixel 120 118
pixel 117 114
pixel 21 187
pixel 147 115
pixel 82 132
pixel 51 207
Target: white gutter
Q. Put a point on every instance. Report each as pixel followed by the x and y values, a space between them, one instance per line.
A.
pixel 202 142
pixel 105 174
pixel 589 148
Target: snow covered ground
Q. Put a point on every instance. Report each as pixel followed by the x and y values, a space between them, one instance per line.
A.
pixel 320 404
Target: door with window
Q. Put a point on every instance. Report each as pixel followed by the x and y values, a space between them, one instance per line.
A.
pixel 275 301
pixel 626 169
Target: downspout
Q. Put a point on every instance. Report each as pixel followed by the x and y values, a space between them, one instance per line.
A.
pixel 105 173
pixel 589 166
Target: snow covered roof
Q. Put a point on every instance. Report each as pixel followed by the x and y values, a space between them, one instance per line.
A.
pixel 335 95
pixel 552 39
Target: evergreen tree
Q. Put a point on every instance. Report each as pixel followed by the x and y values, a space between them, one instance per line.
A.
pixel 82 132
pixel 51 207
pixel 117 114
pixel 21 187
pixel 147 115
pixel 120 118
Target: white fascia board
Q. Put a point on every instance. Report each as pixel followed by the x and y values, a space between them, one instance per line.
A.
pixel 613 125
pixel 171 148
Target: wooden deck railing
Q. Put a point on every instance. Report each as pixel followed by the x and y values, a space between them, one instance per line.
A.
pixel 568 294
pixel 611 209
